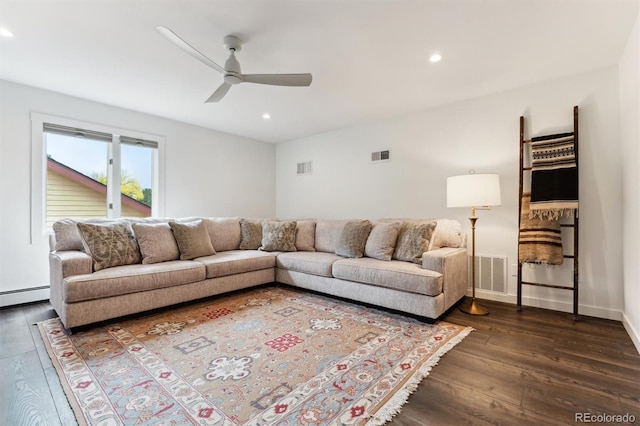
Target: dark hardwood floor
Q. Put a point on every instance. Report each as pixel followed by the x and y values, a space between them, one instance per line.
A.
pixel 535 367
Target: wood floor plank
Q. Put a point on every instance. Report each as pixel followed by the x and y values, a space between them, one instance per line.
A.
pixel 15 337
pixel 63 409
pixel 26 399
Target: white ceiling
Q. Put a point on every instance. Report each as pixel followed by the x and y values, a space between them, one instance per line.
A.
pixel 368 57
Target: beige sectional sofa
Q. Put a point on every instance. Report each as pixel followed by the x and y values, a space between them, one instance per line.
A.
pixel 105 269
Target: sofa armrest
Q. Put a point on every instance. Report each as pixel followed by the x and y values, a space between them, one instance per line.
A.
pixel 70 262
pixel 453 264
pixel 439 259
pixel 64 264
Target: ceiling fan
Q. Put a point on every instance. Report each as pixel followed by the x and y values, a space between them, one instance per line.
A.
pixel 231 70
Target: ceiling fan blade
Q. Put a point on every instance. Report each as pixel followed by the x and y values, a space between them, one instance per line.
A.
pixel 219 93
pixel 278 79
pixel 173 38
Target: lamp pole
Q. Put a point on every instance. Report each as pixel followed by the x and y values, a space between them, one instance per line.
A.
pixel 472 307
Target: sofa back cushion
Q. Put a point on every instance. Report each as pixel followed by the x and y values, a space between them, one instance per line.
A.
pixel 224 232
pixel 109 244
pixel 328 233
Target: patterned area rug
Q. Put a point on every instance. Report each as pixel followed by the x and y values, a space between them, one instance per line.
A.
pixel 262 357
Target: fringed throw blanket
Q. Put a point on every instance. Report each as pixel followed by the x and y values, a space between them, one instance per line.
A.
pixel 540 240
pixel 554 177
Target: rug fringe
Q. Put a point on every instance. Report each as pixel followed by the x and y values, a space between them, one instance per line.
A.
pixel 394 405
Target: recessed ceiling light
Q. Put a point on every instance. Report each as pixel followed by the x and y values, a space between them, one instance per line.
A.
pixel 6 33
pixel 436 57
pixel 266 116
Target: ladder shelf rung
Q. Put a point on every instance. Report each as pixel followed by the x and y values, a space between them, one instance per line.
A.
pixel 561 287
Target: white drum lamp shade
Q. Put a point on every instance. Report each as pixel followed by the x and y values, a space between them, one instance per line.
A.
pixel 473 190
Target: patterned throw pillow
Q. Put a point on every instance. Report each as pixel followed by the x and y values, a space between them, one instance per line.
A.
pixel 250 234
pixel 278 236
pixel 192 239
pixel 109 244
pixel 413 240
pixel 353 238
pixel 382 240
pixel 156 241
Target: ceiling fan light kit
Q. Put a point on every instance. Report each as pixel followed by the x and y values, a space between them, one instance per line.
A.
pixel 231 71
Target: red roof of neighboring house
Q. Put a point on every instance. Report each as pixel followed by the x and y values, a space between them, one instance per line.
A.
pixel 93 184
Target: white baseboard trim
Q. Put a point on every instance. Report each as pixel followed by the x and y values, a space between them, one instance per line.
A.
pixel 554 305
pixel 633 333
pixel 9 298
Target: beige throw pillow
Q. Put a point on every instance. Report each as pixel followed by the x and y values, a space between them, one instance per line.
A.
pixel 353 238
pixel 250 234
pixel 109 244
pixel 448 233
pixel 192 239
pixel 305 235
pixel 382 240
pixel 278 236
pixel 413 240
pixel 156 241
pixel 67 235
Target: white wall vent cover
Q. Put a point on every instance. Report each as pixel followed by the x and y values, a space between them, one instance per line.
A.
pixel 304 168
pixel 378 156
pixel 491 273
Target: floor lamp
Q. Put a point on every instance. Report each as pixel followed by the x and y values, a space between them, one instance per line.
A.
pixel 480 192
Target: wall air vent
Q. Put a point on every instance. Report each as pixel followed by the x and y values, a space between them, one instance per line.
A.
pixel 304 168
pixel 378 156
pixel 491 273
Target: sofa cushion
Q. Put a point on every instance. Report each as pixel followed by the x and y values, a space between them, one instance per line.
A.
pixel 250 234
pixel 278 236
pixel 318 263
pixel 398 275
pixel 236 262
pixel 305 235
pixel 156 242
pixel 382 240
pixel 448 233
pixel 328 233
pixel 413 240
pixel 192 239
pixel 67 235
pixel 131 279
pixel 224 232
pixel 109 244
pixel 353 238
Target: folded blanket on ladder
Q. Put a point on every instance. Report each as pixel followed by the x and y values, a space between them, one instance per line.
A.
pixel 540 240
pixel 554 176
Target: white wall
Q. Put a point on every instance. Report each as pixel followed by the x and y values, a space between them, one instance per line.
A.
pixel 480 134
pixel 629 70
pixel 208 173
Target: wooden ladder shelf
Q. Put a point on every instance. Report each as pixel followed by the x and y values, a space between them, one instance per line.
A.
pixel 524 144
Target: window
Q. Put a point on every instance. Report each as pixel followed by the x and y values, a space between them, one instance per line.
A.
pixel 84 170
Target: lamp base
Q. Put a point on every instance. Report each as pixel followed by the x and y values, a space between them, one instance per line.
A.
pixel 472 308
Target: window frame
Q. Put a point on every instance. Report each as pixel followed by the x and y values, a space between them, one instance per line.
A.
pixel 39 229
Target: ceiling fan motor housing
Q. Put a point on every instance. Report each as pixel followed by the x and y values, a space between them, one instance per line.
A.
pixel 232 73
